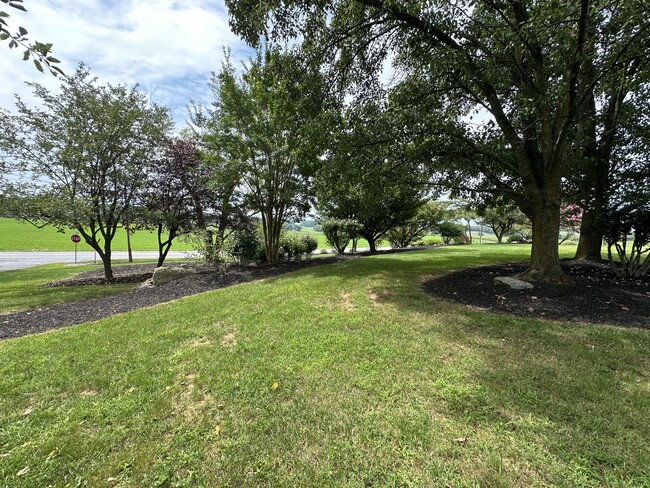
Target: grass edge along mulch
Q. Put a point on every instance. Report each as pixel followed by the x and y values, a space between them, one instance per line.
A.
pixel 340 375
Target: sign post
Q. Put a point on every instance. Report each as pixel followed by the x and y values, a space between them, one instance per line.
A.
pixel 75 238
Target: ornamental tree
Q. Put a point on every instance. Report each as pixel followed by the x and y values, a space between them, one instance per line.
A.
pixel 501 216
pixel 82 155
pixel 267 123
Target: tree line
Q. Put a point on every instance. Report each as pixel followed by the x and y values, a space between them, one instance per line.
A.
pixel 539 107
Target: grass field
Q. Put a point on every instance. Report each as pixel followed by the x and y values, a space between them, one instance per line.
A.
pixel 343 375
pixel 16 235
pixel 22 289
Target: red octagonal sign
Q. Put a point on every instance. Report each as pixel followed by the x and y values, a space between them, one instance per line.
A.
pixel 75 238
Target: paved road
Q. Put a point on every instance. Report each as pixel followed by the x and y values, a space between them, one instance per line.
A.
pixel 19 260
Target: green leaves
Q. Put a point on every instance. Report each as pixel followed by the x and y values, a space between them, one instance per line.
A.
pixel 40 51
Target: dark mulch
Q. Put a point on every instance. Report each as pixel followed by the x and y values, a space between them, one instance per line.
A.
pixel 46 318
pixel 596 295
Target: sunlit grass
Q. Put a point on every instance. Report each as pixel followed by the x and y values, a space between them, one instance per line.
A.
pixel 342 375
pixel 16 235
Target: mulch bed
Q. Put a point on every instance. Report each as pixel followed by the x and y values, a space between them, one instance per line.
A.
pixel 596 295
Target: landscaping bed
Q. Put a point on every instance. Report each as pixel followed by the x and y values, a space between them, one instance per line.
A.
pixel 596 295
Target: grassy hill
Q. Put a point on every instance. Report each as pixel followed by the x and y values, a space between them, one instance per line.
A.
pixel 342 375
pixel 17 235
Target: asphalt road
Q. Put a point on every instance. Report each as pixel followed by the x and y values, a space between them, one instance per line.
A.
pixel 19 260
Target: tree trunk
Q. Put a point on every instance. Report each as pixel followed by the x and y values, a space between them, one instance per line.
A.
pixel 372 243
pixel 591 238
pixel 545 257
pixel 128 242
pixel 106 261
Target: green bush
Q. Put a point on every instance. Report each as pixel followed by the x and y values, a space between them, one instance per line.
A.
pixel 311 244
pixel 449 231
pixel 292 246
pixel 339 232
pixel 244 247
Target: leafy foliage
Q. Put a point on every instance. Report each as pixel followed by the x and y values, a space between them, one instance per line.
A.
pixel 39 52
pixel 425 221
pixel 533 66
pixel 267 122
pixel 369 175
pixel 339 232
pixel 450 231
pixel 86 151
pixel 501 216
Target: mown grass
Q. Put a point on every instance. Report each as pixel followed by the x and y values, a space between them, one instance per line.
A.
pixel 23 288
pixel 16 235
pixel 342 375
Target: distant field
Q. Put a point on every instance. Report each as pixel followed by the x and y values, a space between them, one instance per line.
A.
pixel 16 235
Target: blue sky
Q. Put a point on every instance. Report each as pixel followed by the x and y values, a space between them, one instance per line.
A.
pixel 168 47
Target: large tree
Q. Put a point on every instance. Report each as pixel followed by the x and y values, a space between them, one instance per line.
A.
pixel 264 124
pixel 615 102
pixel 521 62
pixel 82 155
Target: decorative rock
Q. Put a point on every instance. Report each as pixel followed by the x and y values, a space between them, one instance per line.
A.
pixel 166 274
pixel 513 283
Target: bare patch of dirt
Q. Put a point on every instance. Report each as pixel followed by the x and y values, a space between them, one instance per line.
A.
pixel 201 341
pixel 596 295
pixel 345 303
pixel 229 340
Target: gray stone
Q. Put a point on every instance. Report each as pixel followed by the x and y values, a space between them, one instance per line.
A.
pixel 513 283
pixel 165 274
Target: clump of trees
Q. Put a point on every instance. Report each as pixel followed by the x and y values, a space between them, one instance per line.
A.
pixel 556 79
pixel 339 232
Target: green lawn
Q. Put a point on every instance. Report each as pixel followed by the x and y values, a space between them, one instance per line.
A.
pixel 16 235
pixel 342 375
pixel 22 288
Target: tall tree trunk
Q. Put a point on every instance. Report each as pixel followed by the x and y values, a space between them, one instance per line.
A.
pixel 591 237
pixel 545 257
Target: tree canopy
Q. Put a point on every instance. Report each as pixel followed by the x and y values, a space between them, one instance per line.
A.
pixel 82 155
pixel 532 66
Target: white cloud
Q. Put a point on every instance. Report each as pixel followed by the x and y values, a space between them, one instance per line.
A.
pixel 166 46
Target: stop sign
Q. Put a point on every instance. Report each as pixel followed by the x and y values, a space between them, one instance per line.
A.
pixel 75 238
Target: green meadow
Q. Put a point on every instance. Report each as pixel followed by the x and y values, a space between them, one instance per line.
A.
pixel 344 375
pixel 16 235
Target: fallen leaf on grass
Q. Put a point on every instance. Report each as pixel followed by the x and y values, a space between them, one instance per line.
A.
pixel 217 429
pixel 53 453
pixel 274 386
pixel 461 441
pixel 23 471
pixel 27 411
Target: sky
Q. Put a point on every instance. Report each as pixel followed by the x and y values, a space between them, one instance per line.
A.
pixel 169 48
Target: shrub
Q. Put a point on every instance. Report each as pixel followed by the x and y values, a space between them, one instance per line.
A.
pixel 449 231
pixel 291 246
pixel 338 232
pixel 622 225
pixel 311 244
pixel 244 247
